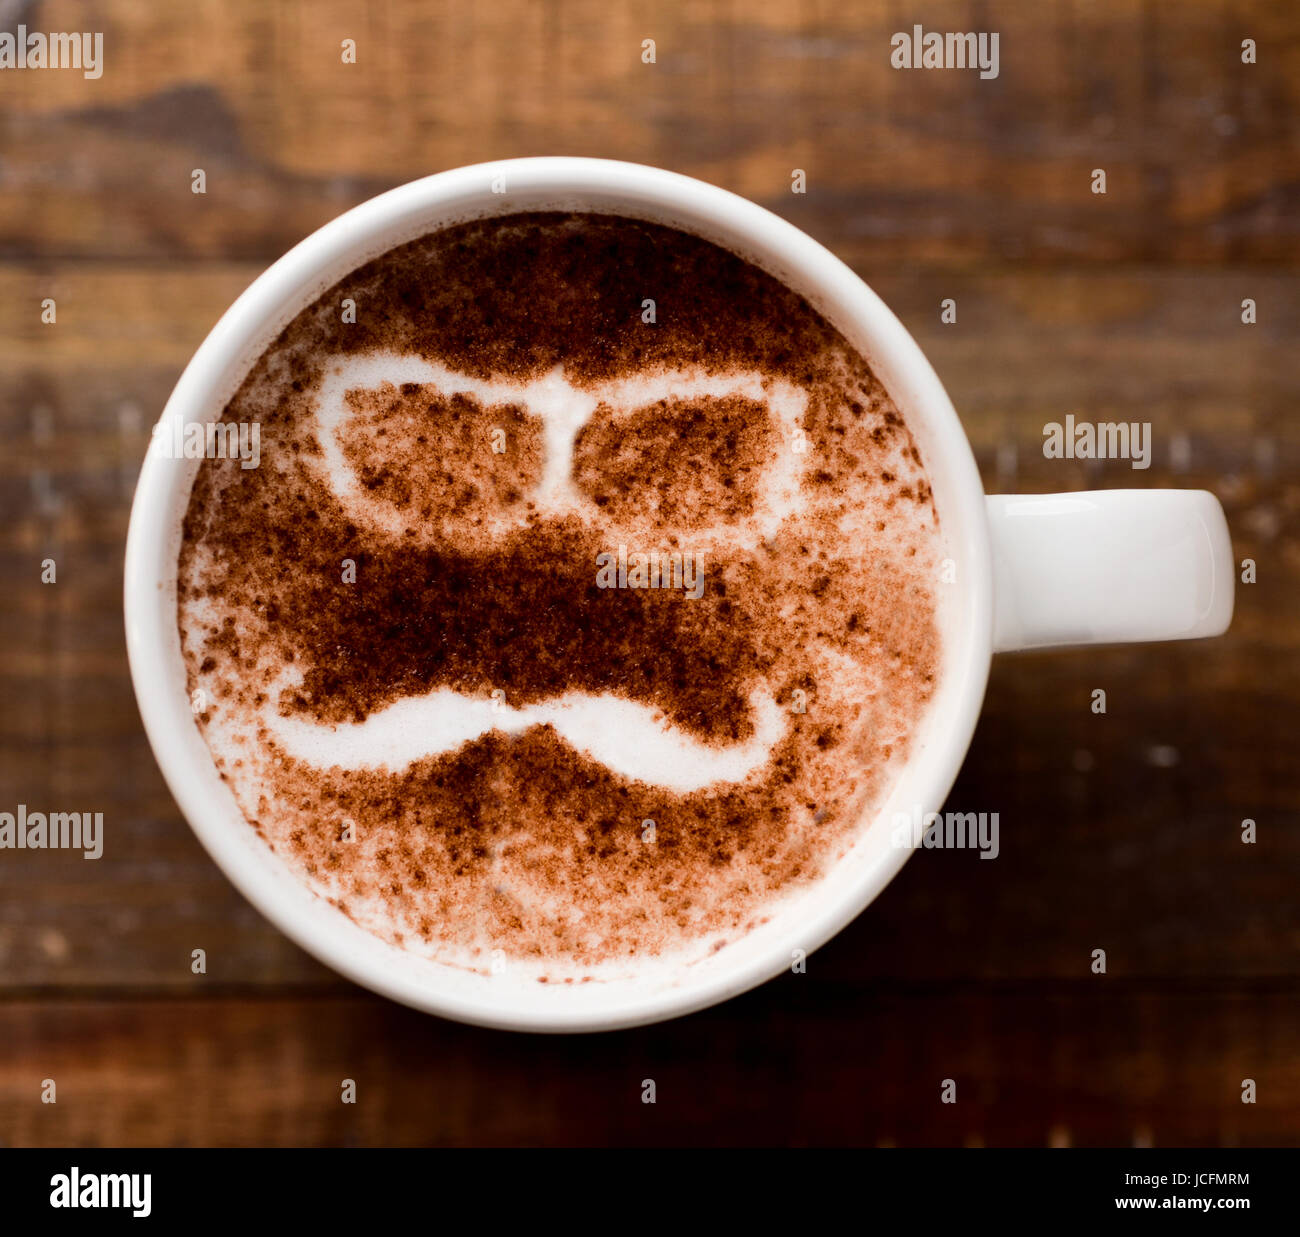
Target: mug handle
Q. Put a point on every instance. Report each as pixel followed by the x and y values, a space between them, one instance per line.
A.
pixel 1106 566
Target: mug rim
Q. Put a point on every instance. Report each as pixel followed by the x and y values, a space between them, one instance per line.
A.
pixel 293 280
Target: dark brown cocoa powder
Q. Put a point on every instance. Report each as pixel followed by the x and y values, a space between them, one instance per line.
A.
pixel 520 842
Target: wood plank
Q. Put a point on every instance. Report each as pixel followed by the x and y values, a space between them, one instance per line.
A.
pixel 1106 843
pixel 1200 150
pixel 803 1062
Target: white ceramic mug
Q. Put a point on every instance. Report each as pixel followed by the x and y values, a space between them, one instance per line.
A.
pixel 1057 569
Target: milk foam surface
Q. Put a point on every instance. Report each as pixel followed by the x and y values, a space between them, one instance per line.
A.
pixel 563 410
pixel 630 739
pixel 417 690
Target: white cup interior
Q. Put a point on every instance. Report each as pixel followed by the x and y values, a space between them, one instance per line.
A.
pixel 650 991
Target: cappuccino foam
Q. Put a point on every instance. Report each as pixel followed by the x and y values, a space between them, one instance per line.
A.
pixel 449 661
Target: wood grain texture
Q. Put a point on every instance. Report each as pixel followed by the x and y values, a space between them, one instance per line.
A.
pixel 1119 832
pixel 801 1062
pixel 1090 816
pixel 1201 151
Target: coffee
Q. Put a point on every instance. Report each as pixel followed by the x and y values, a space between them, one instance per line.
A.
pixel 585 601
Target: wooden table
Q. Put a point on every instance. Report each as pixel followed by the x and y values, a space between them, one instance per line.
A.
pixel 1120 832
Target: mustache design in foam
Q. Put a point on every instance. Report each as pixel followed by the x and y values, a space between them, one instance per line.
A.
pixel 631 739
pixel 563 409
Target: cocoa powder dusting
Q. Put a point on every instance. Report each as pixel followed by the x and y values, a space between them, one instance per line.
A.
pixel 446 566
